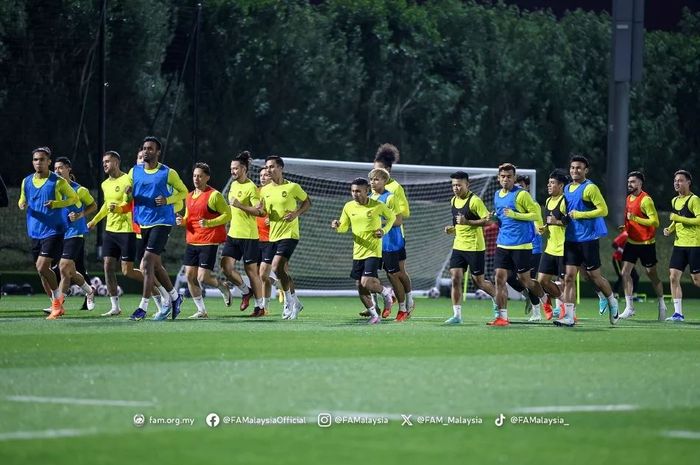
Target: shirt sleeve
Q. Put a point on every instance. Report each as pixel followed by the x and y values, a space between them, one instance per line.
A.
pixel 70 197
pixel 299 193
pixel 694 207
pixel 344 221
pixel 217 202
pixel 179 188
pixel 479 208
pixel 85 196
pixel 402 201
pixel 531 210
pixel 593 195
pixel 22 198
pixel 649 210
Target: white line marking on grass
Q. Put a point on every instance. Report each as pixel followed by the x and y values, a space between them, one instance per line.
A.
pixel 680 434
pixel 46 434
pixel 576 408
pixel 73 401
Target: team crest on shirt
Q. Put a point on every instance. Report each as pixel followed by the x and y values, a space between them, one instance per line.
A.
pixel 284 193
pixel 116 188
pixel 239 194
pixel 369 213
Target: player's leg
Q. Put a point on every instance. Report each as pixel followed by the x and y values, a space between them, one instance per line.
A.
pixel 250 265
pixel 457 278
pixel 232 252
pixel 280 265
pixel 367 272
pixel 626 273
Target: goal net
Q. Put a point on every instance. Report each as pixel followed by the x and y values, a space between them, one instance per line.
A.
pixel 322 261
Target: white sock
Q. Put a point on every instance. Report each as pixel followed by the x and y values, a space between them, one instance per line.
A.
pixel 164 294
pixel 558 302
pixel 629 301
pixel 409 299
pixel 288 297
pixel 678 306
pixel 611 299
pixel 243 288
pixel 536 310
pixel 402 306
pixel 56 294
pixel 503 313
pixel 260 303
pixel 373 311
pixel 386 295
pixel 296 299
pixel 601 296
pixel 570 311
pixel 87 288
pixel 265 302
pixel 662 303
pixel 144 304
pixel 457 310
pixel 158 300
pixel 173 294
pixel 199 303
pixel 115 302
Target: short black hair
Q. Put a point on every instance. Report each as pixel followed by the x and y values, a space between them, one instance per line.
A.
pixel 523 178
pixel 560 175
pixel 277 159
pixel 460 175
pixel 506 167
pixel 46 150
pixel 154 140
pixel 202 166
pixel 685 173
pixel 637 174
pixel 64 160
pixel 579 158
pixel 360 182
pixel 113 154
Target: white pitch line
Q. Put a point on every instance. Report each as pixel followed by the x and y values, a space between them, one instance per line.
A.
pixel 46 434
pixel 575 408
pixel 74 401
pixel 680 434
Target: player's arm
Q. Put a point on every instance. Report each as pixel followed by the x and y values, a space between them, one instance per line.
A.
pixel 102 212
pixel 343 224
pixel 593 195
pixel 22 202
pixel 254 208
pixel 402 202
pixel 478 208
pixel 694 207
pixel 305 200
pixel 217 203
pixel 527 208
pixel 70 197
pixel 389 215
pixel 391 203
pixel 179 188
pixel 649 210
pixel 181 220
pixel 89 205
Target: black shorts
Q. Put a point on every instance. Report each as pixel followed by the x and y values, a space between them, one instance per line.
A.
pixel 582 253
pixel 535 264
pixel 551 265
pixel 246 249
pixel 367 267
pixel 51 247
pixel 266 251
pixel 201 256
pixel 285 247
pixel 475 261
pixel 121 246
pixel 390 260
pixel 140 249
pixel 646 253
pixel 517 260
pixel 73 249
pixel 155 238
pixel 684 256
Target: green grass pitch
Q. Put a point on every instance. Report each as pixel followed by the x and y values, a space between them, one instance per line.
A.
pixel 69 389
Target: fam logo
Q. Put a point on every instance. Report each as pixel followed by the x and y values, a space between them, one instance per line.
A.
pixel 239 194
pixel 284 194
pixel 369 213
pixel 116 188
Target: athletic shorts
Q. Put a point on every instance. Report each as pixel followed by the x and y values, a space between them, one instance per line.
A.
pixel 201 256
pixel 517 260
pixel 266 251
pixel 155 238
pixel 367 267
pixel 582 253
pixel 472 260
pixel 551 264
pixel 685 256
pixel 73 249
pixel 51 247
pixel 285 247
pixel 121 246
pixel 246 249
pixel 646 253
pixel 390 260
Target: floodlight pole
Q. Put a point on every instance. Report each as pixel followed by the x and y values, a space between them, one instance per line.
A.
pixel 101 117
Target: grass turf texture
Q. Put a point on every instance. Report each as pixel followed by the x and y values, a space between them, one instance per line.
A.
pixel 329 361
